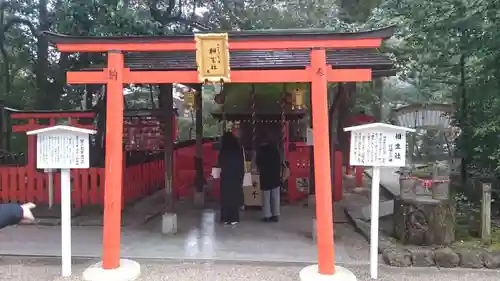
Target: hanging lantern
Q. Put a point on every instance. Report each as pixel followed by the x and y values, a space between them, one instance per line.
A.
pixel 298 98
pixel 190 100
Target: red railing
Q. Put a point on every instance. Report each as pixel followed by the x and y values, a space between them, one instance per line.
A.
pixel 142 180
pixel 26 183
pixel 185 172
pixel 23 184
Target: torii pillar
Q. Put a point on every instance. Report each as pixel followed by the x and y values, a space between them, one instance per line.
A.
pixel 326 269
pixel 112 267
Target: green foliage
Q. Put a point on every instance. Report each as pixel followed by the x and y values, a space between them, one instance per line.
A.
pixel 447 51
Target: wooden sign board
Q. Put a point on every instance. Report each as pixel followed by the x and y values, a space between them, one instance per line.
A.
pixel 212 57
pixel 253 194
pixel 378 144
pixel 62 150
pixel 62 147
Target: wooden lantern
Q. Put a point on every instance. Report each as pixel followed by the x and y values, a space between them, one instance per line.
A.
pixel 298 98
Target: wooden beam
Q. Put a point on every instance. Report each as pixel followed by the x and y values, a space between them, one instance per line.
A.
pixel 237 76
pixel 189 45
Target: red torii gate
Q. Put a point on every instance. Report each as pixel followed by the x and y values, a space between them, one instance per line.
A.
pixel 318 73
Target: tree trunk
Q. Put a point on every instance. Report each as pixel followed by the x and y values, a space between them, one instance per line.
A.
pixel 334 138
pixel 378 90
pixel 45 99
pixel 423 221
pixel 344 112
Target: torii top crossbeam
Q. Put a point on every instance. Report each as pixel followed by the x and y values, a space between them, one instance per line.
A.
pixel 280 67
pixel 277 39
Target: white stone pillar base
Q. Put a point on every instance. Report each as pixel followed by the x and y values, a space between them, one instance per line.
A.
pixel 127 271
pixel 310 273
pixel 169 223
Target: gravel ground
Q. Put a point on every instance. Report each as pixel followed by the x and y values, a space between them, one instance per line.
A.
pixel 48 269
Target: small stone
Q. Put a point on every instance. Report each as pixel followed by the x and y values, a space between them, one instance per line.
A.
pixel 422 257
pixel 491 260
pixel 396 257
pixel 445 257
pixel 470 258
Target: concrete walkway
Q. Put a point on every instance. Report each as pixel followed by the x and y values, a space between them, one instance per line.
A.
pixel 49 269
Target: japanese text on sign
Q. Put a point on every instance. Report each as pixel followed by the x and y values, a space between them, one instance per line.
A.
pixel 212 57
pixel 376 148
pixel 64 151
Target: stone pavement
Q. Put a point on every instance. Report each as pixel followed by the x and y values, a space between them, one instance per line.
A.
pixel 14 269
pixel 287 241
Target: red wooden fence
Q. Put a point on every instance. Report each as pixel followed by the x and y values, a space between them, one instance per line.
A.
pixel 23 184
pixel 27 184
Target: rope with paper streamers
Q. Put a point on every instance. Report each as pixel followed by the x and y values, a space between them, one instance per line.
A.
pixel 283 118
pixel 254 116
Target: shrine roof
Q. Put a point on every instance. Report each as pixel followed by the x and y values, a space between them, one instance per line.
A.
pixel 248 35
pixel 377 126
pixel 380 63
pixel 61 129
pixel 444 107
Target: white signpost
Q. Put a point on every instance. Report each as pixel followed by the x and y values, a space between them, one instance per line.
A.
pixel 65 148
pixel 377 145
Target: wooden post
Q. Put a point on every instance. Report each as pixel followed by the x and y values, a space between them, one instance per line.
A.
pixel 166 104
pixel 322 172
pixel 337 175
pixel 312 190
pixel 114 162
pixel 198 159
pixel 359 173
pixel 3 127
pixel 486 214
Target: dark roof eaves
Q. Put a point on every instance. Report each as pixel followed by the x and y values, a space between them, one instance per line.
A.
pixel 298 34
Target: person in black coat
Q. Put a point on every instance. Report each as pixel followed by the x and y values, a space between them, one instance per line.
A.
pixel 12 214
pixel 232 166
pixel 269 164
